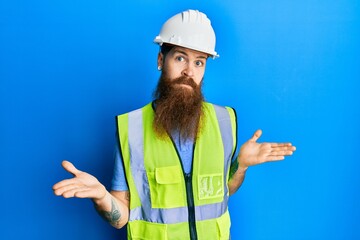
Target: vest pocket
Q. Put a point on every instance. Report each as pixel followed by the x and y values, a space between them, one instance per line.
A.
pixel 210 186
pixel 142 230
pixel 166 188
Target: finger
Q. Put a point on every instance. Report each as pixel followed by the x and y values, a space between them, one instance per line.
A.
pixel 86 193
pixel 256 136
pixel 274 158
pixel 283 147
pixel 281 153
pixel 73 192
pixel 61 190
pixel 65 182
pixel 283 150
pixel 68 166
pixel 280 144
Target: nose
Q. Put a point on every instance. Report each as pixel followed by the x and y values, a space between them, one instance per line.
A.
pixel 188 71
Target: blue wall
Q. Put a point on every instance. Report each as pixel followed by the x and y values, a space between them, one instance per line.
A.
pixel 291 68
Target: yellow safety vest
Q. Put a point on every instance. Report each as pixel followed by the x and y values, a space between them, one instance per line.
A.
pixel 166 203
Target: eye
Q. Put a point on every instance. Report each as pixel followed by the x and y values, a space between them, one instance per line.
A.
pixel 199 63
pixel 180 58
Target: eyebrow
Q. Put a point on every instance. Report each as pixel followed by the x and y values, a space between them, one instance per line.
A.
pixel 182 52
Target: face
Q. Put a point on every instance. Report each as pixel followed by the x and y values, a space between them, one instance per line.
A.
pixel 178 94
pixel 183 62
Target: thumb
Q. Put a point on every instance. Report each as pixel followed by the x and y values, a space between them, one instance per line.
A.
pixel 256 136
pixel 68 166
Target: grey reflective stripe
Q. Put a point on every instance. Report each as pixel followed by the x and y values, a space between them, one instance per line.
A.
pixel 160 215
pixel 171 215
pixel 211 211
pixel 136 145
pixel 177 215
pixel 224 121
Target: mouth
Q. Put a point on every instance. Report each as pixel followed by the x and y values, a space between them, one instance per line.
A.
pixel 184 85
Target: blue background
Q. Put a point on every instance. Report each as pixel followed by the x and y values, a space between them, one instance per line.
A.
pixel 291 68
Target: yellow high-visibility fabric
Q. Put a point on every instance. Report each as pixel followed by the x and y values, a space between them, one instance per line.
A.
pixel 166 181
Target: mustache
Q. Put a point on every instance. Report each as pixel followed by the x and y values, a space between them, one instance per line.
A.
pixel 184 80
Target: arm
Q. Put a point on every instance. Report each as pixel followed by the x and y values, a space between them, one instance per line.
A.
pixel 237 176
pixel 253 153
pixel 112 206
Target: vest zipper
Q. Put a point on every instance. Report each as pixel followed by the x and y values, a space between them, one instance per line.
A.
pixel 191 207
pixel 189 193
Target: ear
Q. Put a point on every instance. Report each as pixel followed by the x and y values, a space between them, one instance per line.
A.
pixel 160 60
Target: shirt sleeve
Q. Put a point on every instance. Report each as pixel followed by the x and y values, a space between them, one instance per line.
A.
pixel 118 182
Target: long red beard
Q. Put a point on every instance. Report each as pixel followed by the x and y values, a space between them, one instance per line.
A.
pixel 178 108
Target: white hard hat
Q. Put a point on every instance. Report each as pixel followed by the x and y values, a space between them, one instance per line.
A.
pixel 190 29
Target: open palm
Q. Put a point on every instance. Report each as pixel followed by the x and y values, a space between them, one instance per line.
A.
pixel 82 185
pixel 253 153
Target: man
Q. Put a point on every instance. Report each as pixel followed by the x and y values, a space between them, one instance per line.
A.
pixel 175 167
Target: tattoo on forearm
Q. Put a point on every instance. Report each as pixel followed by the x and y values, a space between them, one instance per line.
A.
pixel 113 217
pixel 233 168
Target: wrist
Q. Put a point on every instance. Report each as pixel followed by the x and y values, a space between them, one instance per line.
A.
pixel 102 196
pixel 242 168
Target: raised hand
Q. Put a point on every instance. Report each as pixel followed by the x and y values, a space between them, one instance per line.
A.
pixel 82 185
pixel 253 153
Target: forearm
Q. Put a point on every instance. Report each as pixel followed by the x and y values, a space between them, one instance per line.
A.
pixel 237 176
pixel 114 208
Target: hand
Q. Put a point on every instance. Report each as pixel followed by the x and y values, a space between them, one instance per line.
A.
pixel 82 185
pixel 253 153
